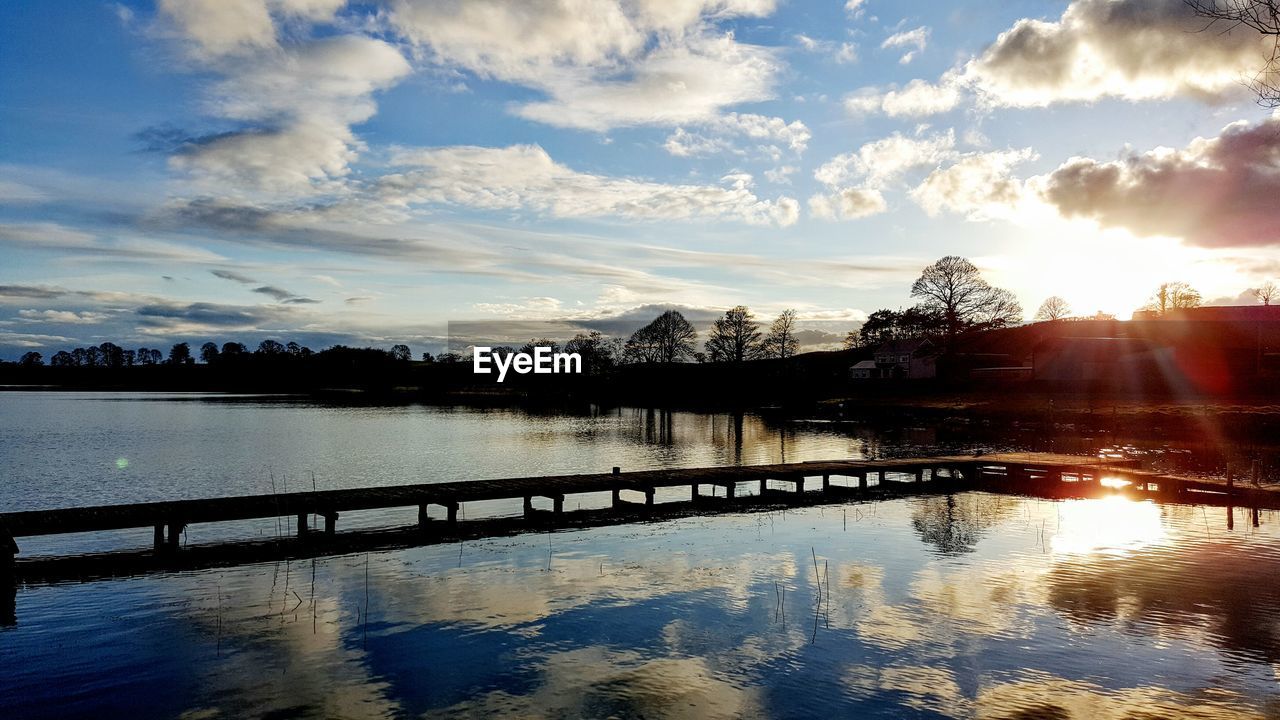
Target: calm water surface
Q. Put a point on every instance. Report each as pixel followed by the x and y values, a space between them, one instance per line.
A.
pixel 972 605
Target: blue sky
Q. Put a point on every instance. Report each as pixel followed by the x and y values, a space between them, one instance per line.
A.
pixel 365 173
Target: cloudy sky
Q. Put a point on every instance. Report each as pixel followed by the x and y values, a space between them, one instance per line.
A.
pixel 328 171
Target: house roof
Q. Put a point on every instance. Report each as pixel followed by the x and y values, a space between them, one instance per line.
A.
pixel 865 365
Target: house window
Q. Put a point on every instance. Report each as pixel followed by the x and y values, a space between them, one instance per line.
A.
pixel 904 358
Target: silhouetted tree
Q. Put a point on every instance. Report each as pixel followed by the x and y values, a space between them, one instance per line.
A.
pixel 529 347
pixel 734 337
pixel 954 288
pixel 296 350
pixel 428 357
pixel 31 359
pixel 62 359
pixel 270 348
pixel 919 321
pixel 147 356
pixel 401 353
pixel 1002 310
pixel 130 358
pixel 1266 292
pixel 781 341
pixel 112 355
pixel 209 353
pixel 92 356
pixel 669 338
pixel 599 354
pixel 449 358
pixel 1053 308
pixel 1260 15
pixel 180 354
pixel 880 327
pixel 1176 295
pixel 233 350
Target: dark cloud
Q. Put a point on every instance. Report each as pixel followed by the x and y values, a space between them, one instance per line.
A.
pixel 38 292
pixel 233 276
pixel 1216 192
pixel 283 296
pixel 212 315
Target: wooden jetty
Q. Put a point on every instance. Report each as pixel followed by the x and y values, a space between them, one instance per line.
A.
pixel 1028 473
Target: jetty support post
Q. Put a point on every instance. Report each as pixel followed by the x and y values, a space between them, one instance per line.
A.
pixel 8 551
pixel 175 534
pixel 826 483
pixel 423 517
pixel 528 506
pixel 617 491
pixel 452 507
pixel 695 490
pixel 303 526
pixel 763 486
pixel 158 538
pixel 920 474
pixel 648 497
pixel 862 479
pixel 557 504
pixel 330 523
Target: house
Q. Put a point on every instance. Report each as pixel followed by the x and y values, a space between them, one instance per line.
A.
pixel 864 370
pixel 911 359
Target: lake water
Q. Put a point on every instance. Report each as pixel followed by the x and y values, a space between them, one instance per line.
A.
pixel 972 605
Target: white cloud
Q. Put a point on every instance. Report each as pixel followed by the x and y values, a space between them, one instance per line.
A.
pixel 781 174
pixel 299 101
pixel 917 98
pixel 855 8
pixel 715 136
pixel 1215 192
pixel 847 54
pixel 882 161
pixel 856 180
pixel 221 27
pixel 684 83
pixel 847 204
pixel 917 39
pixel 978 185
pixel 524 177
pixel 66 317
pixel 1132 49
pixel 15 193
pixel 602 63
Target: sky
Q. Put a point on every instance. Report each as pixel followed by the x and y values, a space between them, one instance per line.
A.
pixel 366 173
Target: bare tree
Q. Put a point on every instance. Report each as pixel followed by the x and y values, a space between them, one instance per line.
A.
pixel 1175 295
pixel 1266 292
pixel 734 337
pixel 1053 308
pixel 781 341
pixel 1260 15
pixel 669 338
pixel 953 287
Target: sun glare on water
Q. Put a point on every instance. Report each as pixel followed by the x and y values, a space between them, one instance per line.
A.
pixel 1113 525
